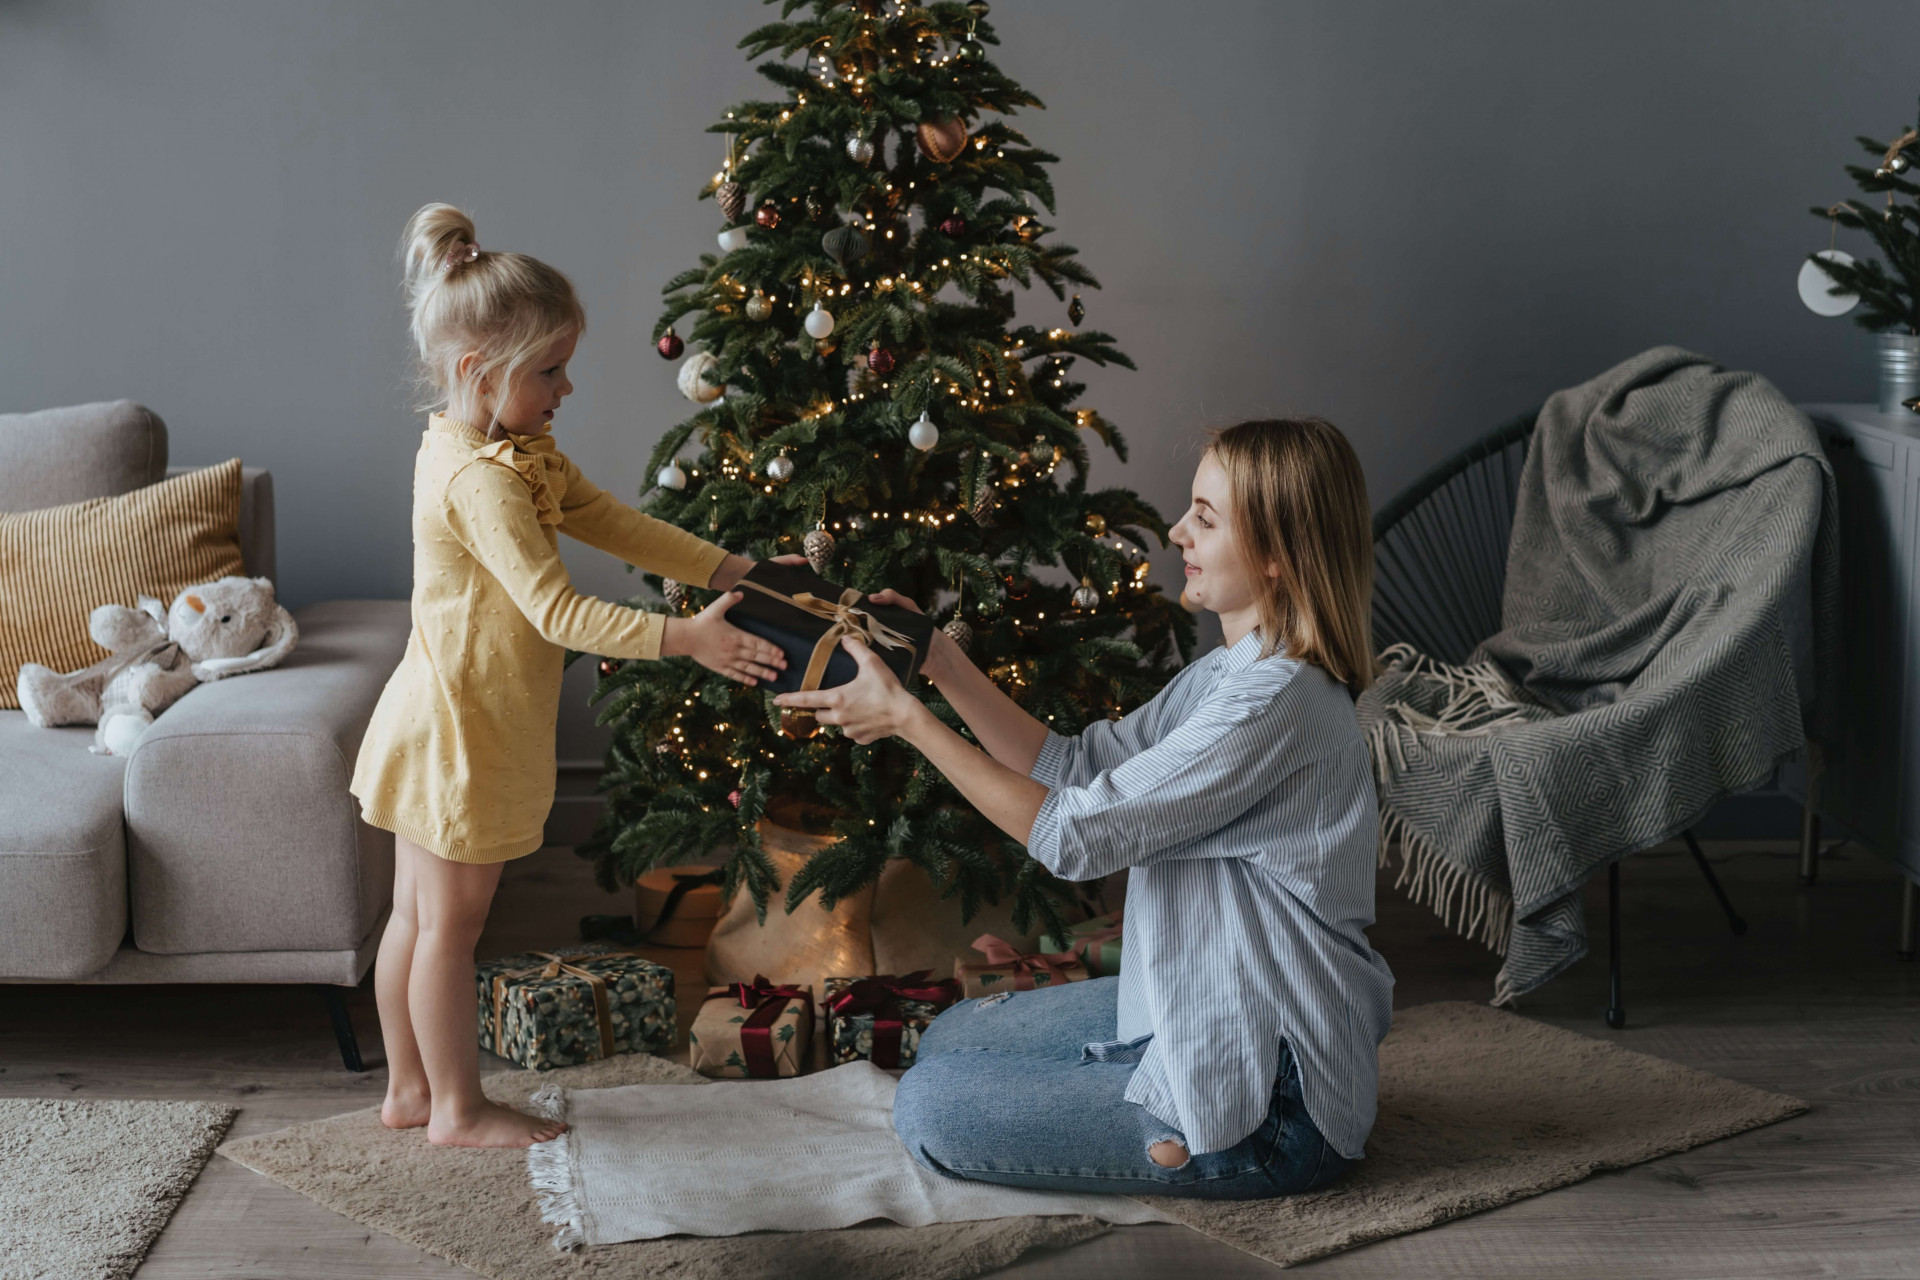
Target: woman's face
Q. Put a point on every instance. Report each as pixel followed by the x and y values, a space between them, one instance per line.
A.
pixel 538 389
pixel 1217 574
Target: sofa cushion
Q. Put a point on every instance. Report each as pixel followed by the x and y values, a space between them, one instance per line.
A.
pixel 59 564
pixel 57 456
pixel 63 853
pixel 241 833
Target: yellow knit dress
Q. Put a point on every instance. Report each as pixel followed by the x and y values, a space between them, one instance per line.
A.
pixel 459 755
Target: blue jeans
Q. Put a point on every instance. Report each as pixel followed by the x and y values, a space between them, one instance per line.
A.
pixel 1002 1093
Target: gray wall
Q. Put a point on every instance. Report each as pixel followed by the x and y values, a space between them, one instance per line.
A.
pixel 1415 219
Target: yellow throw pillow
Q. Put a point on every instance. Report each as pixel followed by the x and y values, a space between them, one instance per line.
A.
pixel 59 564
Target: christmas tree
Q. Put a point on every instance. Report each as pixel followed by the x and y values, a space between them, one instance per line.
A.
pixel 869 398
pixel 1889 294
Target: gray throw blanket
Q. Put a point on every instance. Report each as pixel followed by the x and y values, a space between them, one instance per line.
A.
pixel 1668 635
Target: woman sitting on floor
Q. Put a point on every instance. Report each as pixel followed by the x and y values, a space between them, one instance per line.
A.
pixel 1235 1056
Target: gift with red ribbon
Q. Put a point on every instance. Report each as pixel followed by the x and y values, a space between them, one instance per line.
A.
pixel 757 1029
pixel 1096 941
pixel 881 1018
pixel 1009 969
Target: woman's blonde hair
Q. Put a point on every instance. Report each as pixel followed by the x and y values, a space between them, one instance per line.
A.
pixel 1299 502
pixel 506 306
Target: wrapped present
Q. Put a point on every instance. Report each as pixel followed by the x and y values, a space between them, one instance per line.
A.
pixel 675 907
pixel 806 615
pixel 1095 941
pixel 1008 969
pixel 547 1009
pixel 881 1018
pixel 752 1029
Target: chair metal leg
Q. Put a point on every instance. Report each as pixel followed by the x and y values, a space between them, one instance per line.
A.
pixel 1738 925
pixel 1809 843
pixel 342 1028
pixel 1909 895
pixel 1616 1014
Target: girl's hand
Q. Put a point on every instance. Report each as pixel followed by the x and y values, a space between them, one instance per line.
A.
pixel 874 706
pixel 940 653
pixel 716 644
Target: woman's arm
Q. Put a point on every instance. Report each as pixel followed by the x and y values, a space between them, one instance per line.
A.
pixel 875 706
pixel 1003 727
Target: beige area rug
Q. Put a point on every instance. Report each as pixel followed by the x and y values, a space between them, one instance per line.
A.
pixel 477 1207
pixel 1478 1108
pixel 86 1187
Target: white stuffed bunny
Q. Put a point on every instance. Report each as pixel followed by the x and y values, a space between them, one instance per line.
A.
pixel 214 630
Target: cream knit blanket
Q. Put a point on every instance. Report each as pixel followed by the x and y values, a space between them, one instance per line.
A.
pixel 804 1154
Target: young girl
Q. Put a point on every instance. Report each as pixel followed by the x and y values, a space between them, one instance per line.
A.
pixel 1235 1055
pixel 458 761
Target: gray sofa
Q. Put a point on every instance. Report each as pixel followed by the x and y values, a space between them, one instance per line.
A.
pixel 226 847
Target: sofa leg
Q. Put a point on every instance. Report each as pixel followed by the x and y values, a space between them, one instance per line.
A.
pixel 342 1028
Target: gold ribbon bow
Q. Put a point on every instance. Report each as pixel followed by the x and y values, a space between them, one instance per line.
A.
pixel 843 620
pixel 534 457
pixel 555 966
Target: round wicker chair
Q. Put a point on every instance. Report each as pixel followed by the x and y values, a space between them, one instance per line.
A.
pixel 1440 567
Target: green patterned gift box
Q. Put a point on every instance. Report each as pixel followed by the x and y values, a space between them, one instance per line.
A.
pixel 547 1009
pixel 881 1019
pixel 1095 941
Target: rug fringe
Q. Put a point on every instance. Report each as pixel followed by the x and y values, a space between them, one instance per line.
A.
pixel 550 1169
pixel 1470 907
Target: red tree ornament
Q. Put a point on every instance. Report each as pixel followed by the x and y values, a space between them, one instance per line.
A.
pixel 880 360
pixel 767 216
pixel 733 797
pixel 609 666
pixel 955 226
pixel 670 346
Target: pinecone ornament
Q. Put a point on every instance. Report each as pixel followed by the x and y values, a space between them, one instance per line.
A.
pixel 961 634
pixel 732 199
pixel 819 548
pixel 984 501
pixel 675 593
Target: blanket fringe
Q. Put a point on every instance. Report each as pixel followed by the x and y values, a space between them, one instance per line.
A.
pixel 1471 908
pixel 550 1169
pixel 1480 698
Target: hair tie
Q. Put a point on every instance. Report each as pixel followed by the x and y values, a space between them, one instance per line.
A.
pixel 462 252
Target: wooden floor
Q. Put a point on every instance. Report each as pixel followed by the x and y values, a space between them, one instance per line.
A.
pixel 1810 1002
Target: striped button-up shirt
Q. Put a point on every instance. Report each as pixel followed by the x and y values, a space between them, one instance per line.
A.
pixel 1241 798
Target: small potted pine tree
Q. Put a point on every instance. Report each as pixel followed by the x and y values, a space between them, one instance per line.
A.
pixel 1887 295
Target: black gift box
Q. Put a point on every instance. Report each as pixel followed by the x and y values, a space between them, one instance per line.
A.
pixel 798 632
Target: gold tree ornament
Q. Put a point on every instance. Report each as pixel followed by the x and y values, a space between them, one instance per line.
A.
pixel 1096 523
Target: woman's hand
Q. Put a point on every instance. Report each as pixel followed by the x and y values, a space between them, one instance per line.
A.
pixel 872 707
pixel 941 650
pixel 716 644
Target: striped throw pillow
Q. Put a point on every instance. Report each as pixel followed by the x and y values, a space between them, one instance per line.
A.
pixel 58 564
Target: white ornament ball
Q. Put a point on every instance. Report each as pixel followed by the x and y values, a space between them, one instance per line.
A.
pixel 923 435
pixel 1814 284
pixel 781 468
pixel 1086 595
pixel 671 476
pixel 692 385
pixel 859 150
pixel 733 238
pixel 819 322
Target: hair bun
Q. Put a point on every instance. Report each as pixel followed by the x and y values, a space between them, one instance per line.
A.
pixel 427 247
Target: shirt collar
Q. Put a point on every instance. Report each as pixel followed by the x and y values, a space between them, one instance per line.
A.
pixel 465 432
pixel 1242 655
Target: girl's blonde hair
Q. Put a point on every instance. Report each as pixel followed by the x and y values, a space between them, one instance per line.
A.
pixel 506 306
pixel 1300 503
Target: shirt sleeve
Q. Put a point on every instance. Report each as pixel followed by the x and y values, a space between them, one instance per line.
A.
pixel 599 519
pixel 1160 802
pixel 1074 759
pixel 488 510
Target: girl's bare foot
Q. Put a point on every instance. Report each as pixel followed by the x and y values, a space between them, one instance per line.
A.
pixel 491 1125
pixel 406 1108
